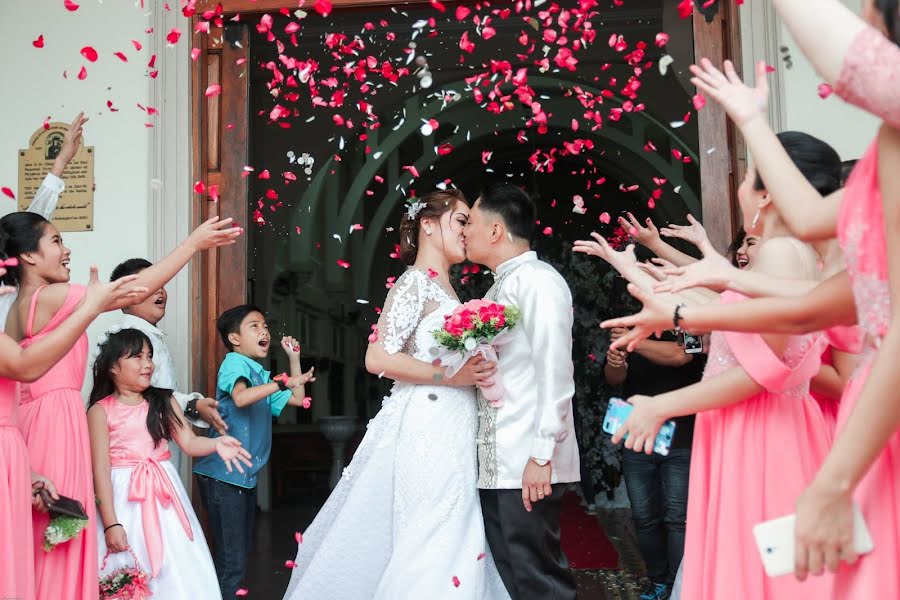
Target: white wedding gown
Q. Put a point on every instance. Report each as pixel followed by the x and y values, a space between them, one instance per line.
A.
pixel 405 519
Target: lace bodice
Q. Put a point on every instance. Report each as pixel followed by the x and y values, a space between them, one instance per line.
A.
pixel 869 78
pixel 414 308
pixel 787 375
pixel 861 231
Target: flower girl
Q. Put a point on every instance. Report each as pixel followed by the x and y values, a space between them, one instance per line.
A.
pixel 143 505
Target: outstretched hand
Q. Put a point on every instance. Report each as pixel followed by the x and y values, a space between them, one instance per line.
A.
pixel 70 145
pixel 645 235
pixel 654 318
pixel 713 272
pixel 102 297
pixel 232 454
pixel 743 103
pixel 600 248
pixel 212 233
pixel 693 233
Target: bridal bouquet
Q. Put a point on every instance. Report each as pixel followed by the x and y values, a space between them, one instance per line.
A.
pixel 474 328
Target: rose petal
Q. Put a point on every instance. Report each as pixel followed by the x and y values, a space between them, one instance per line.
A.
pixel 70 6
pixel 120 56
pixel 825 90
pixel 323 7
pixel 89 53
pixel 241 592
pixel 699 101
pixel 173 36
pixel 548 231
pixel 605 218
pixel 455 581
pixel 137 45
pixel 343 263
pixel 39 42
pixel 82 74
pixel 8 192
pixel 298 536
pixel 213 90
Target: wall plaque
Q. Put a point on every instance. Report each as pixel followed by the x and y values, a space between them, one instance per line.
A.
pixel 75 211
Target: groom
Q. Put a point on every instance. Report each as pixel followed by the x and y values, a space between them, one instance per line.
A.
pixel 526 448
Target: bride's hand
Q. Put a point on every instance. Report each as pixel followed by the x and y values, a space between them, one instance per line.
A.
pixel 477 370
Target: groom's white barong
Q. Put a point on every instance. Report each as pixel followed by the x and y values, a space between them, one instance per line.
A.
pixel 535 420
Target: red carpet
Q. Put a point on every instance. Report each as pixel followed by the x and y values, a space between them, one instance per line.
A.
pixel 583 539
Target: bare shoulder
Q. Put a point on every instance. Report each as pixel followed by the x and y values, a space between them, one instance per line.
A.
pixel 787 257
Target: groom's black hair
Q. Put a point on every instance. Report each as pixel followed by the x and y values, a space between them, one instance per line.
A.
pixel 513 205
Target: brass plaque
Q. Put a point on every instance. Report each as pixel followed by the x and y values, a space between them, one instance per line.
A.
pixel 75 211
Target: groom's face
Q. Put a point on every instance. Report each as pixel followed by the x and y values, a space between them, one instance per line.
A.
pixel 478 234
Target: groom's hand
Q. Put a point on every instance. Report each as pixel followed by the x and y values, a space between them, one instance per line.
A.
pixel 536 483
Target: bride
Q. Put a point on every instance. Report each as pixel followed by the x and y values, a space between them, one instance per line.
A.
pixel 405 521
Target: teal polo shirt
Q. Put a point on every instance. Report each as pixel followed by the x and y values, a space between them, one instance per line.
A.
pixel 252 425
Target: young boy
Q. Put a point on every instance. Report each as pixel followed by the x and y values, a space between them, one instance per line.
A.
pixel 248 399
pixel 145 316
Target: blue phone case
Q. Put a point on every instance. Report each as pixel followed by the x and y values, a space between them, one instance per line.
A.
pixel 618 412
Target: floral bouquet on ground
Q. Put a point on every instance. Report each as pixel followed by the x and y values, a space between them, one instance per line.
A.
pixel 126 583
pixel 477 327
pixel 61 529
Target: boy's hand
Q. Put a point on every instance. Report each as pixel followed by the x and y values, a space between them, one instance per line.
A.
pixel 291 346
pixel 209 413
pixel 230 451
pixel 212 233
pixel 71 143
pixel 307 377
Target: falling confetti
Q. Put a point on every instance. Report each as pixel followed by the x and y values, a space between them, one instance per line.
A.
pixel 8 192
pixel 39 42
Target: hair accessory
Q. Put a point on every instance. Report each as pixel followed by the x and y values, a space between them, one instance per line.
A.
pixel 10 262
pixel 413 209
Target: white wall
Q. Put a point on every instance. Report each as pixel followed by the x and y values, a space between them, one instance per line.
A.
pixel 796 104
pixel 34 87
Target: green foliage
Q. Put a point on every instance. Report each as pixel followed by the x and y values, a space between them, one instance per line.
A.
pixel 61 529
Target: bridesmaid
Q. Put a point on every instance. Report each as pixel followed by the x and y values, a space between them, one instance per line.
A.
pixel 759 436
pixel 52 409
pixel 27 365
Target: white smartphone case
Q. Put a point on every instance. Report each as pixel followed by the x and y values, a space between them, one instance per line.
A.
pixel 775 541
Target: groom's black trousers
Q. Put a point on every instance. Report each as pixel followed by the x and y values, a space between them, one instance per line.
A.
pixel 525 545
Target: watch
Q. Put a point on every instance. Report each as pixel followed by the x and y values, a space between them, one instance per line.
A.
pixel 190 410
pixel 541 462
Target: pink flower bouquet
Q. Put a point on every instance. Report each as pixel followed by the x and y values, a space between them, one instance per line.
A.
pixel 474 328
pixel 126 583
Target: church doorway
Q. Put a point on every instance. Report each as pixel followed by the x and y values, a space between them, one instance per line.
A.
pixel 321 196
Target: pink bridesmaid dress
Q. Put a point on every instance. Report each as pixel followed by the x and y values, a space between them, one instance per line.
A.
pixel 55 428
pixel 16 555
pixel 750 462
pixel 870 79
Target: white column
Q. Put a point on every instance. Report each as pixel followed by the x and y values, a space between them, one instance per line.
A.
pixel 169 214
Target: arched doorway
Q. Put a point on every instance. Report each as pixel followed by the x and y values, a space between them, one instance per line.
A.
pixel 317 253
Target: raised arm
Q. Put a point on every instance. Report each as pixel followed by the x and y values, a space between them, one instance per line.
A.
pixel 648 236
pixel 30 363
pixel 809 216
pixel 47 196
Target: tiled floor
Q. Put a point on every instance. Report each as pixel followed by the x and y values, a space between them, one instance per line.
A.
pixel 274 544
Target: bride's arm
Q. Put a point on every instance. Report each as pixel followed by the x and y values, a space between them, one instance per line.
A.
pixel 404 309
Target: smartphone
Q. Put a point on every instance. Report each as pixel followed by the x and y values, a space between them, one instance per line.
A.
pixel 775 542
pixel 618 412
pixel 693 344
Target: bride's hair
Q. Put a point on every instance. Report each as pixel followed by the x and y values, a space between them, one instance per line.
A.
pixel 890 12
pixel 433 206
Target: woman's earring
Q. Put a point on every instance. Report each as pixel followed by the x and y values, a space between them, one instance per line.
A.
pixel 427 232
pixel 755 219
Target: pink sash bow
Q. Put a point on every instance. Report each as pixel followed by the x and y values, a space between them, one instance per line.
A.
pixel 151 486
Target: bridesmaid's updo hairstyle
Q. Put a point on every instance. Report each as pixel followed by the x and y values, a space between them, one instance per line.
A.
pixel 161 417
pixel 20 232
pixel 819 162
pixel 433 206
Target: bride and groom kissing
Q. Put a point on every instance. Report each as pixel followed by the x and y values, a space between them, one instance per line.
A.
pixel 448 496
